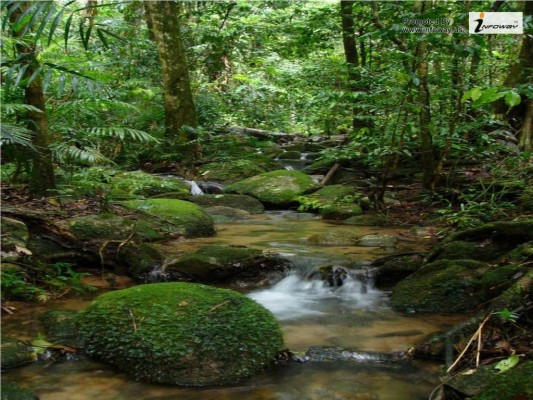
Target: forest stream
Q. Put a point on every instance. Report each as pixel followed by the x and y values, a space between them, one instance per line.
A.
pixel 354 317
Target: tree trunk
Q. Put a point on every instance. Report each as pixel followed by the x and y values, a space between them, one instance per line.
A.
pixel 426 140
pixel 520 73
pixel 352 58
pixel 42 171
pixel 162 17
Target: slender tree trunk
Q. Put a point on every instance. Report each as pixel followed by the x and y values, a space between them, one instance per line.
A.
pixel 42 170
pixel 426 139
pixel 162 16
pixel 352 58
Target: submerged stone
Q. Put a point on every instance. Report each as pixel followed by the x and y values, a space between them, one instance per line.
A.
pixel 12 391
pixel 181 333
pixel 276 188
pixel 334 238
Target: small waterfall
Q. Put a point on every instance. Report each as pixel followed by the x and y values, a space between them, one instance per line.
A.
pixel 311 293
pixel 195 189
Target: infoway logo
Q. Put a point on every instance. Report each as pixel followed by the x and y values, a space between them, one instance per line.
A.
pixel 495 22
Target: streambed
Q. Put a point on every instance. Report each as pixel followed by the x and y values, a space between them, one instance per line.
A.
pixel 353 316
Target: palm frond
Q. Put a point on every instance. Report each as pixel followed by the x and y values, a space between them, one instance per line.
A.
pixel 14 108
pixel 123 134
pixel 13 134
pixel 65 152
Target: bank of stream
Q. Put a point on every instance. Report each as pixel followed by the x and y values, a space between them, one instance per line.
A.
pixel 354 316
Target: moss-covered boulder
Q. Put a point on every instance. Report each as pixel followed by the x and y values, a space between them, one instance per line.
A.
pixel 275 188
pixel 450 286
pixel 217 263
pixel 333 202
pixel 12 391
pixel 15 353
pixel 462 250
pixel 14 237
pixel 178 216
pixel 242 202
pixel 334 238
pixel 126 184
pixel 234 169
pixel 487 383
pixel 113 227
pixel 341 211
pixel 181 333
pixel 227 214
pixel 368 220
pixel 141 259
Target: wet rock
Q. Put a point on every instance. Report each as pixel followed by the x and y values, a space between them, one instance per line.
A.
pixel 367 220
pixel 334 238
pixel 181 333
pixel 15 236
pixel 450 286
pixel 15 353
pixel 141 259
pixel 277 188
pixel 392 269
pixel 377 241
pixel 461 250
pixel 341 212
pixel 487 383
pixel 233 170
pixel 179 216
pixel 112 227
pixel 215 263
pixel 227 214
pixel 241 202
pixel 12 391
pixel 325 354
pixel 333 275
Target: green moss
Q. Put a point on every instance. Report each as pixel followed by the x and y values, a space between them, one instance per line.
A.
pixel 516 383
pixel 214 263
pixel 526 198
pixel 442 286
pixel 368 220
pixel 59 324
pixel 277 188
pixel 181 333
pixel 14 353
pixel 341 212
pixel 239 201
pixel 112 226
pixel 12 391
pixel 140 259
pixel 231 171
pixel 180 216
pixel 227 214
pixel 461 250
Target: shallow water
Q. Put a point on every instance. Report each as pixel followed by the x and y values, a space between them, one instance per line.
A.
pixel 354 316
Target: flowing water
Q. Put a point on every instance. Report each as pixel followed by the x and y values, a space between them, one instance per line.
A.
pixel 354 316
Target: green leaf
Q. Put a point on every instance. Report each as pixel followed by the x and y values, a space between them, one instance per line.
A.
pixel 508 363
pixel 512 99
pixel 489 95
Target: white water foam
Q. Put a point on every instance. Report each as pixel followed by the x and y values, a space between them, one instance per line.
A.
pixel 296 297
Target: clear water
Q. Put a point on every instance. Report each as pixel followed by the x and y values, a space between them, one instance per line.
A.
pixel 353 316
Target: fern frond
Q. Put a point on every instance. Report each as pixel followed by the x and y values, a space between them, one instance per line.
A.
pixel 123 134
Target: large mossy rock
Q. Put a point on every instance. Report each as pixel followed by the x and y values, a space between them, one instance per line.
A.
pixel 392 269
pixel 112 227
pixel 181 333
pixel 462 250
pixel 450 286
pixel 216 263
pixel 178 216
pixel 14 353
pixel 246 203
pixel 334 202
pixel 127 184
pixel 275 188
pixel 233 170
pixel 223 215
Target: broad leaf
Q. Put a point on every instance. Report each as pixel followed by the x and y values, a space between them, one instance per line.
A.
pixel 512 99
